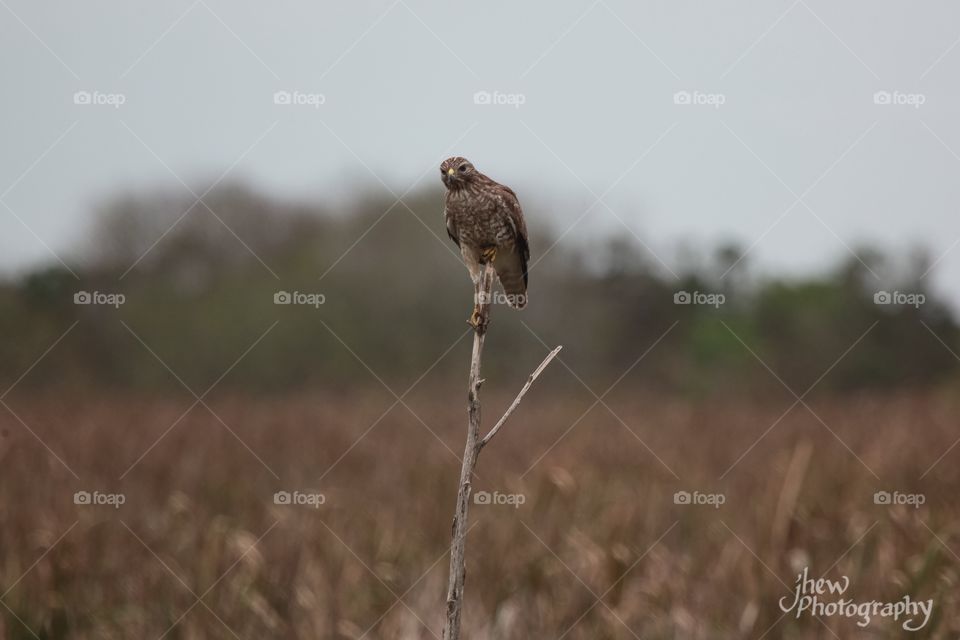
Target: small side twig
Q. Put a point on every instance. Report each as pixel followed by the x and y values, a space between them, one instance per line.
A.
pixel 458 569
pixel 516 401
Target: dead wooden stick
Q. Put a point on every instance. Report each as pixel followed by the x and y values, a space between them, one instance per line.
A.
pixel 516 401
pixel 458 567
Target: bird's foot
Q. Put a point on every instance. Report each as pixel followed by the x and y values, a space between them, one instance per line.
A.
pixel 477 320
pixel 489 254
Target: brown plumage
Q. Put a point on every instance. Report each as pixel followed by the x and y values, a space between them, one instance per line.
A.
pixel 484 218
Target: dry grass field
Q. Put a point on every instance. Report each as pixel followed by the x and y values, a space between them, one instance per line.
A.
pixel 588 543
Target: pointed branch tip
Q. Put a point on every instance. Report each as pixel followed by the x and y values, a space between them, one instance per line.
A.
pixel 516 401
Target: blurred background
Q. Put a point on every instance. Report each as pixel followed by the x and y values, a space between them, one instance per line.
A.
pixel 226 279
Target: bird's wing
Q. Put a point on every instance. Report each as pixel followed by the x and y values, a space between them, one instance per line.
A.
pixel 451 226
pixel 514 212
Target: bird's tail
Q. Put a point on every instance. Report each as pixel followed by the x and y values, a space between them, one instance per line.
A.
pixel 512 273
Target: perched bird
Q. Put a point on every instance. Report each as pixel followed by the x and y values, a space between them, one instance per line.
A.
pixel 484 218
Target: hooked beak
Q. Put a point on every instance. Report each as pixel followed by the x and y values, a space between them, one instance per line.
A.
pixel 450 171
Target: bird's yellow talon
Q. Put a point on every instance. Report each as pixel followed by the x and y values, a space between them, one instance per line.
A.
pixel 489 254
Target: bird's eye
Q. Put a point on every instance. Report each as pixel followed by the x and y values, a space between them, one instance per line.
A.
pixel 463 167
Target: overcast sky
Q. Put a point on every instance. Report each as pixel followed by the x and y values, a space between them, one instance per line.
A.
pixel 784 145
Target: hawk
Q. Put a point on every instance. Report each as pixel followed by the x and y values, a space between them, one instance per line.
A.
pixel 485 220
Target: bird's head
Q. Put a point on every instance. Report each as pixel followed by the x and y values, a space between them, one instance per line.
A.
pixel 456 171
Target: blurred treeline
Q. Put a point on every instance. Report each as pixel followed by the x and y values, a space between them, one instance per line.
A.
pixel 202 292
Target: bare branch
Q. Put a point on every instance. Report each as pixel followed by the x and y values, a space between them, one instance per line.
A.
pixel 523 392
pixel 458 567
